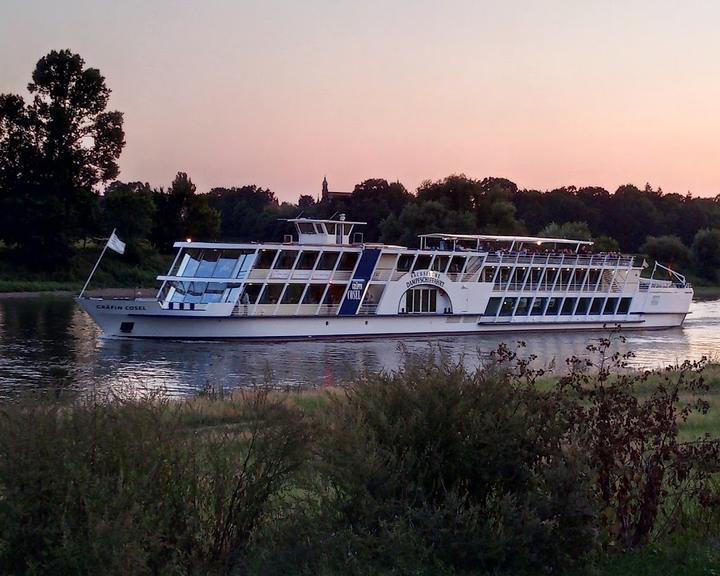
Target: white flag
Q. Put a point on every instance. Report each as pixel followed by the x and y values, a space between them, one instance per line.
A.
pixel 115 244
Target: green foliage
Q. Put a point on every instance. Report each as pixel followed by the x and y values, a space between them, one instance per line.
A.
pixel 666 249
pixel 124 486
pixel 606 244
pixel 706 253
pixel 437 467
pixel 53 152
pixel 571 230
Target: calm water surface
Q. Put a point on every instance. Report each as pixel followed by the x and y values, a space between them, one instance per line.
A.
pixel 49 343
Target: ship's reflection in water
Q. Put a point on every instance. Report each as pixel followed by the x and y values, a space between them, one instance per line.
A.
pixel 50 344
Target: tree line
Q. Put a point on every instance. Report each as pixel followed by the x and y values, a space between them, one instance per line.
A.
pixel 58 187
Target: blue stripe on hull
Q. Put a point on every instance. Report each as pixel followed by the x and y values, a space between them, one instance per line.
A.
pixel 359 282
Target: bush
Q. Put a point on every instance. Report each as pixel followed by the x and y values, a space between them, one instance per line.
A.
pixel 646 479
pixel 125 487
pixel 436 468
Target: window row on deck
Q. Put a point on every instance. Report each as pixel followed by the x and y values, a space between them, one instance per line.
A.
pixel 557 306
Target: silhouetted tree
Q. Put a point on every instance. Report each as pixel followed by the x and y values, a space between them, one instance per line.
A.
pixel 181 213
pixel 129 207
pixel 54 151
pixel 375 200
pixel 706 253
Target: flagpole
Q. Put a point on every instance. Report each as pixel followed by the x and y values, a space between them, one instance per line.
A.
pixel 96 264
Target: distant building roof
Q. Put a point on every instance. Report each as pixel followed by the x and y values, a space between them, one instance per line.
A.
pixel 332 194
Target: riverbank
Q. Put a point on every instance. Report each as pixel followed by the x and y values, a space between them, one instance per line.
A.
pixel 433 469
pixel 135 271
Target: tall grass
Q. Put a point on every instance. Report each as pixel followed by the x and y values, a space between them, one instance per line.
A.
pixel 432 469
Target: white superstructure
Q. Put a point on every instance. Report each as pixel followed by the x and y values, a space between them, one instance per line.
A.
pixel 326 282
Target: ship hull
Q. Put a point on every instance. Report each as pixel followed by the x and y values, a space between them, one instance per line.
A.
pixel 130 320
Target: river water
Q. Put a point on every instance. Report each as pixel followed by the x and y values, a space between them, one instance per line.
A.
pixel 49 344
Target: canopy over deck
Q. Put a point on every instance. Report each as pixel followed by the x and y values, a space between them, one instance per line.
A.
pixel 478 240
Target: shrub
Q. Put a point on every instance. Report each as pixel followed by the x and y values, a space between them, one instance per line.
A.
pixel 435 467
pixel 645 478
pixel 126 487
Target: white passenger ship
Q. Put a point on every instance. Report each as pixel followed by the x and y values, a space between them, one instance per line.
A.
pixel 326 282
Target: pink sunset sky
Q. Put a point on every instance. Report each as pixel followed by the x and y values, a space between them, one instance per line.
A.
pixel 280 93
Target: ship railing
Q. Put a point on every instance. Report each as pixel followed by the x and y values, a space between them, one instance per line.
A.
pixel 558 259
pixel 368 309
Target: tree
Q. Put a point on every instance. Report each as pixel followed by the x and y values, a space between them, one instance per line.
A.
pixel 606 244
pixel 570 230
pixel 424 218
pixel 54 152
pixel 373 201
pixel 183 214
pixel 129 207
pixel 706 253
pixel 667 250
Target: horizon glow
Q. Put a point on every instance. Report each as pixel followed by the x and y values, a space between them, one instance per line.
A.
pixel 280 94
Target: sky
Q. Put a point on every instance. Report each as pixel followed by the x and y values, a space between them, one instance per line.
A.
pixel 280 93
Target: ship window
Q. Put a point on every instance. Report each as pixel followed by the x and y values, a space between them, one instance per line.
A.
pixel 550 276
pixel 286 260
pixel 244 265
pixel 583 306
pixel 405 262
pixel 422 262
pixel 568 306
pixel 538 307
pixel 226 264
pixel 314 294
pixel 440 263
pixel 334 294
pixel 195 292
pixel 328 260
pixel 518 276
pixel 265 259
pixel 488 273
pixel 271 294
pixel 192 261
pixel 330 228
pixel 293 293
pixel 209 261
pixel 507 306
pixel 456 264
pixel 307 260
pixel 250 294
pixel 347 261
pixel 523 307
pixel 306 228
pixel 597 305
pixel 553 307
pixel 624 307
pixel 492 307
pixel 421 300
pixel 213 293
pixel 610 306
pixel 593 277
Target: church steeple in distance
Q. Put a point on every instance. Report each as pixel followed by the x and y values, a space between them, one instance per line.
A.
pixel 324 187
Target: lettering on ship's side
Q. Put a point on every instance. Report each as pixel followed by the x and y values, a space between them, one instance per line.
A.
pixel 356 290
pixel 117 307
pixel 424 277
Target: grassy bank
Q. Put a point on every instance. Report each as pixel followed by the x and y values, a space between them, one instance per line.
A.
pixel 431 470
pixel 133 270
